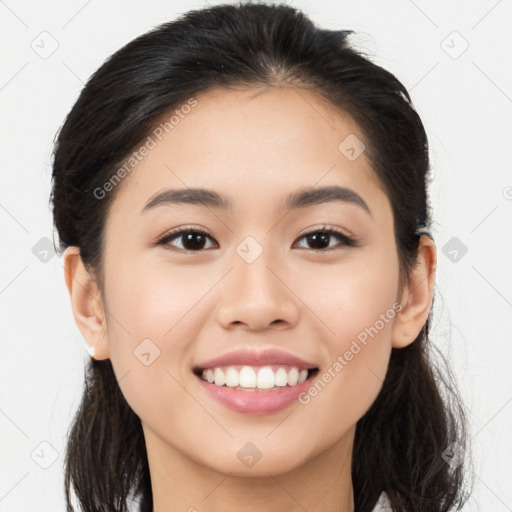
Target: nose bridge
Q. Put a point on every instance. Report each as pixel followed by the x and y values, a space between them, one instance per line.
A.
pixel 256 294
pixel 252 269
pixel 252 263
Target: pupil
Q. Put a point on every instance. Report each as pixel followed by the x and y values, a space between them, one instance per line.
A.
pixel 315 238
pixel 194 244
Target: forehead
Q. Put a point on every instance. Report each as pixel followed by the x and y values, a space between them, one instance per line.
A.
pixel 249 143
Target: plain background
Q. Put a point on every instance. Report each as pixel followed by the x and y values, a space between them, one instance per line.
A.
pixel 453 57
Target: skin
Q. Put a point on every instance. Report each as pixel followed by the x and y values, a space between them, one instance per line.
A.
pixel 255 146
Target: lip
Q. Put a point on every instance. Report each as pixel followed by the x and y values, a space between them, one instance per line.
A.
pixel 272 356
pixel 256 402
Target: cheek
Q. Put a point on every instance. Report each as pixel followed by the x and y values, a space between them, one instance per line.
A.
pixel 151 322
pixel 357 305
pixel 152 302
pixel 349 298
pixel 149 339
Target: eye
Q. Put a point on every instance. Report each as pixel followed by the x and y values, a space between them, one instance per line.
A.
pixel 193 239
pixel 321 238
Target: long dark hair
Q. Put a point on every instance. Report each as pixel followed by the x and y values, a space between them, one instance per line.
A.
pixel 417 416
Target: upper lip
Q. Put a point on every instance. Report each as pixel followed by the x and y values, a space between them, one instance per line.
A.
pixel 256 358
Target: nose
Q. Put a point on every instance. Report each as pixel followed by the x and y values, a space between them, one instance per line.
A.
pixel 257 295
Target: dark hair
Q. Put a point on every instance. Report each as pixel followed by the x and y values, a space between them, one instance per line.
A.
pixel 400 440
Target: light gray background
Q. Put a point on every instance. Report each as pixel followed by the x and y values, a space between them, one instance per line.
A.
pixel 464 96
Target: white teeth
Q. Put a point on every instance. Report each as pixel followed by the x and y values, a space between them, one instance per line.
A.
pixel 293 377
pixel 247 377
pixel 266 378
pixel 232 378
pixel 282 377
pixel 219 378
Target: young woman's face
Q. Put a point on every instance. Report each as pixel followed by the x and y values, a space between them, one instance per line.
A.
pixel 253 282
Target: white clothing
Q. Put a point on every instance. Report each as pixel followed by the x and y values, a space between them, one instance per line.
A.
pixel 383 504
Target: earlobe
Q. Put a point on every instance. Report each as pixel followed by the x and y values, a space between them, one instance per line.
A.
pixel 417 295
pixel 86 303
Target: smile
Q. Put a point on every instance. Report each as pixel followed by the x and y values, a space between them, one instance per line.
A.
pixel 250 398
pixel 253 378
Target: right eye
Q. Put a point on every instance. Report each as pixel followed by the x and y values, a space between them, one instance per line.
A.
pixel 193 239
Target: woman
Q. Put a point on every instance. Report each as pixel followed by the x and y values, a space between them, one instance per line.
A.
pixel 241 199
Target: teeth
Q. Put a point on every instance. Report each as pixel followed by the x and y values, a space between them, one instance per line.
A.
pixel 232 378
pixel 282 377
pixel 303 375
pixel 247 377
pixel 266 378
pixel 217 377
pixel 293 377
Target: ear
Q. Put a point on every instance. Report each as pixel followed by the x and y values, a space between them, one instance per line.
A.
pixel 86 304
pixel 417 295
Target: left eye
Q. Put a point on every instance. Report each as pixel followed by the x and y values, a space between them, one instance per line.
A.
pixel 319 238
pixel 194 240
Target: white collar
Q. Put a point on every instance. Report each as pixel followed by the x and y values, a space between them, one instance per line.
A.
pixel 382 504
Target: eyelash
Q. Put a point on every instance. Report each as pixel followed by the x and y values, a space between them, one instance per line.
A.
pixel 346 240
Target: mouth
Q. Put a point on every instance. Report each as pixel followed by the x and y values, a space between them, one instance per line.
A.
pixel 256 378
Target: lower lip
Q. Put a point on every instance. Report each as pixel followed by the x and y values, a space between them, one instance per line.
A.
pixel 256 402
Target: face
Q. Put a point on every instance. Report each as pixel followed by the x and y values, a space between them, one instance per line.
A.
pixel 263 275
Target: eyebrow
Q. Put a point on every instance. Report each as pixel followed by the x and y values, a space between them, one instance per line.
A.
pixel 300 199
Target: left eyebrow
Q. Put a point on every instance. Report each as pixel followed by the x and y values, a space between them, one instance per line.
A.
pixel 309 196
pixel 300 199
